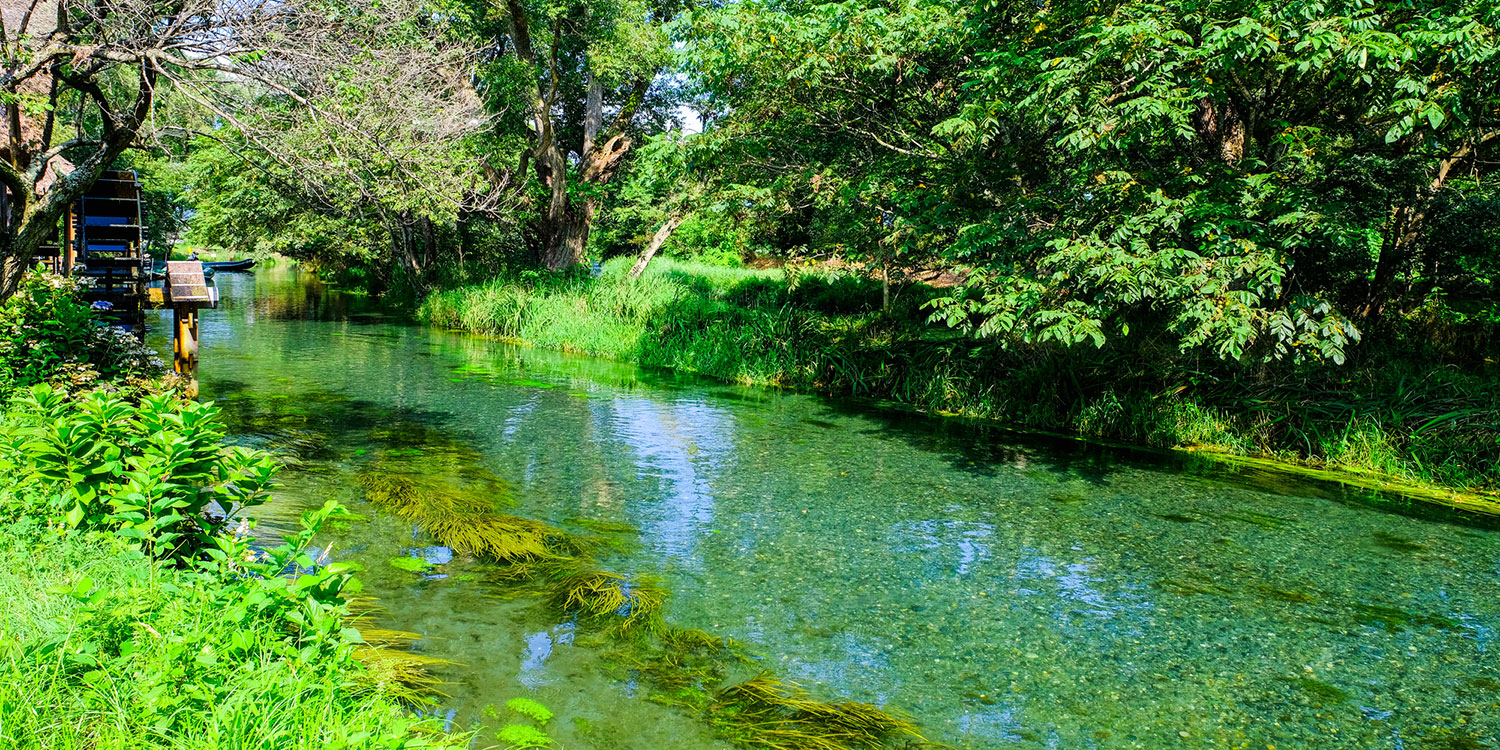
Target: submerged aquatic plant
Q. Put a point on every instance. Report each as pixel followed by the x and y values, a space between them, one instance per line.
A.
pixel 530 708
pixel 387 638
pixel 602 526
pixel 495 537
pixel 1321 691
pixel 694 640
pixel 684 666
pixel 597 593
pixel 765 712
pixel 409 564
pixel 464 522
pixel 414 499
pixel 523 737
pixel 519 736
pixel 402 674
pixel 1395 620
pixel 390 665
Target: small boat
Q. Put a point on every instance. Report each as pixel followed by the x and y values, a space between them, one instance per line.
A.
pixel 159 271
pixel 229 265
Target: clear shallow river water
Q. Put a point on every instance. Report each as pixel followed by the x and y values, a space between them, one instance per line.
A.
pixel 1007 591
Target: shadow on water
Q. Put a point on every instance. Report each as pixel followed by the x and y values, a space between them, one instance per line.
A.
pixel 286 295
pixel 319 425
pixel 969 446
pixel 976 447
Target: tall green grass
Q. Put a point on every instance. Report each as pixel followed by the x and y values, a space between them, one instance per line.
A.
pixel 1404 417
pixel 603 316
pixel 102 649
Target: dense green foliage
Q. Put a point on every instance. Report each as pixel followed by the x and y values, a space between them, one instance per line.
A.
pixel 105 649
pixel 139 610
pixel 48 333
pixel 1398 416
pixel 1251 180
pixel 1280 215
pixel 1237 176
pixel 1251 171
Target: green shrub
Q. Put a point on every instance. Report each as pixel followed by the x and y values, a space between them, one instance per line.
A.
pixel 48 333
pixel 148 470
pixel 136 609
pixel 103 648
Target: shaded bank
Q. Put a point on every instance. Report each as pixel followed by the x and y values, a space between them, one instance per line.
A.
pixel 1388 416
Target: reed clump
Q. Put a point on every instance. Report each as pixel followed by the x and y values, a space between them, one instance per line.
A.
pixel 507 539
pixel 399 673
pixel 390 666
pixel 388 638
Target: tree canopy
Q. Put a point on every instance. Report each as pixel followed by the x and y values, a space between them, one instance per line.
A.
pixel 1246 178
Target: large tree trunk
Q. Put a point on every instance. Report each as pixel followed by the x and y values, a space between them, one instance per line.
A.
pixel 663 233
pixel 1221 130
pixel 569 222
pixel 566 224
pixel 1405 228
pixel 572 235
pixel 552 167
pixel 1395 254
pixel 571 225
pixel 404 247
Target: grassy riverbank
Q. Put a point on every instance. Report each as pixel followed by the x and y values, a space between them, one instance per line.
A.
pixel 137 609
pixel 103 649
pixel 1395 410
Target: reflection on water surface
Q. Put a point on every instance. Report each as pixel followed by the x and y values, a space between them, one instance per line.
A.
pixel 1008 592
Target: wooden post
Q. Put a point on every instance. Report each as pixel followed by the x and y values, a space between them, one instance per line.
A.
pixel 187 292
pixel 185 345
pixel 70 241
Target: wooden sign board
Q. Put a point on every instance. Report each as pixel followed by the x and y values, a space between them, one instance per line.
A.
pixel 185 283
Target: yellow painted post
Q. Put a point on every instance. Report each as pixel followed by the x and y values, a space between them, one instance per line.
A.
pixel 185 345
pixel 187 292
pixel 70 237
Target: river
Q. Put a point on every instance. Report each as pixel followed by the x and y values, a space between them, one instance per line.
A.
pixel 1006 591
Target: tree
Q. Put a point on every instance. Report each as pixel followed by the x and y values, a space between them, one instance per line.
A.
pixel 391 138
pixel 1250 172
pixel 87 51
pixel 584 81
pixel 101 72
pixel 1245 177
pixel 820 117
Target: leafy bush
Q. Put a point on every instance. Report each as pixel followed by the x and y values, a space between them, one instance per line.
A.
pixel 48 333
pixel 137 609
pixel 149 470
pixel 103 648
